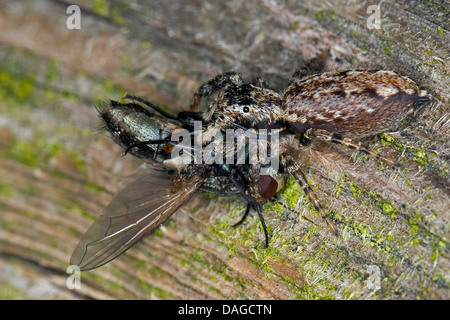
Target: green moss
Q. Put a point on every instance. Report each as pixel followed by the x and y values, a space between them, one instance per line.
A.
pixel 291 192
pixel 105 9
pixel 7 190
pixel 158 233
pixel 34 153
pixel 387 49
pixel 440 31
pixel 79 209
pixel 421 157
pixel 145 287
pixel 65 94
pixel 8 225
pixel 389 208
pixel 413 227
pixel 24 152
pixel 94 187
pixel 125 60
pixel 260 36
pixel 100 7
pixel 305 293
pixel 9 292
pixel 356 191
pixel 416 241
pixel 437 248
pixel 146 45
pixel 52 74
pixel 387 139
pixel 15 87
pixel 223 231
pixel 319 15
pixel 157 292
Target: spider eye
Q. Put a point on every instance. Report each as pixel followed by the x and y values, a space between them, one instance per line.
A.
pixel 246 109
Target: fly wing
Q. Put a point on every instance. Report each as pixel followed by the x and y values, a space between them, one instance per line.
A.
pixel 135 211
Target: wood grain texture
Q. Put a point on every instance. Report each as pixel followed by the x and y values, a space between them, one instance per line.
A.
pixel 57 171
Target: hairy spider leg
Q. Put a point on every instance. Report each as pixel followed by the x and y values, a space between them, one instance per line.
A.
pixel 312 66
pixel 298 174
pixel 213 86
pixel 327 136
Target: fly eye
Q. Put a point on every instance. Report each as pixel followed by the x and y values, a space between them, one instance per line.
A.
pixel 246 109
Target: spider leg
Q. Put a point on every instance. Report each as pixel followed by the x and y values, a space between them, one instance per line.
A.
pixel 214 85
pixel 327 136
pixel 301 178
pixel 315 65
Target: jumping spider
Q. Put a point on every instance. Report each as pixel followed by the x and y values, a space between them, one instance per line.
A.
pixel 335 107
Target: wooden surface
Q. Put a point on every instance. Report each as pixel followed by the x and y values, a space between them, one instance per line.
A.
pixel 57 171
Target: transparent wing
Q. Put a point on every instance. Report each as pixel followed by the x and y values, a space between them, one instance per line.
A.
pixel 135 211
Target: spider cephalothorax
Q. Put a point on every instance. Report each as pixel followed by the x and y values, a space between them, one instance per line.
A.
pixel 248 106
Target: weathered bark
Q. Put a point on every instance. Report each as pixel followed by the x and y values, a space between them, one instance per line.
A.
pixel 56 172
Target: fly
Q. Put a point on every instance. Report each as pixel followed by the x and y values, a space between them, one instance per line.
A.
pixel 158 190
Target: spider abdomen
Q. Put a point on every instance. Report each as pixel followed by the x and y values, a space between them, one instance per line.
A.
pixel 351 102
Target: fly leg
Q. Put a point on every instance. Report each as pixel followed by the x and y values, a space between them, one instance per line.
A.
pixel 326 136
pixel 243 185
pixel 144 143
pixel 247 211
pixel 151 105
pixel 258 208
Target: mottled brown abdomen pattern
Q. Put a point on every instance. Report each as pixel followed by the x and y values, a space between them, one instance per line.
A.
pixel 351 102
